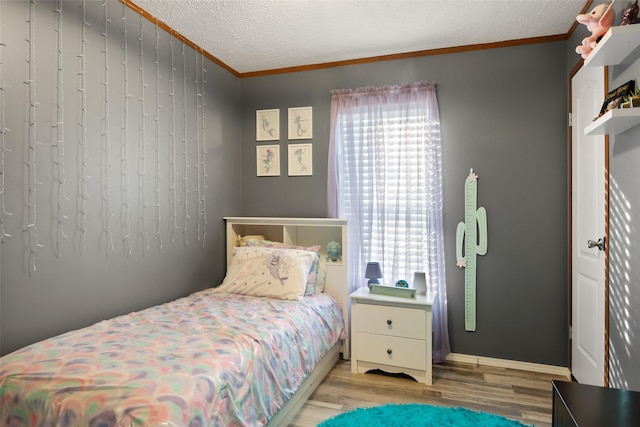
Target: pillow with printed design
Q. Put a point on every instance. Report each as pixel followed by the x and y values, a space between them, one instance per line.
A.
pixel 268 272
pixel 311 281
pixel 321 275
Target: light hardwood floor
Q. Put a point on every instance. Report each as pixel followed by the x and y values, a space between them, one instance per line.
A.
pixel 520 395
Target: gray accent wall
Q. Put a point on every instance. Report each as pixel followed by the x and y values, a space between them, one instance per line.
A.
pixel 88 280
pixel 504 114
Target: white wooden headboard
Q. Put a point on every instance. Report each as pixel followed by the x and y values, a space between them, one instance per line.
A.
pixel 303 232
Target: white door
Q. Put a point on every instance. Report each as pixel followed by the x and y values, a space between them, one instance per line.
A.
pixel 588 224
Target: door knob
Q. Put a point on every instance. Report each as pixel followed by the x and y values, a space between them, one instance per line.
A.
pixel 599 244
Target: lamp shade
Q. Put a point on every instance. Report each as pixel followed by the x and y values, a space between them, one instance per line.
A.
pixel 373 273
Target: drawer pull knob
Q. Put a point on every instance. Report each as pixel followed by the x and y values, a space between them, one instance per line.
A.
pixel 389 351
pixel 389 322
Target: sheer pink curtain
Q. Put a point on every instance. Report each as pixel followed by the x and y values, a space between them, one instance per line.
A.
pixel 384 176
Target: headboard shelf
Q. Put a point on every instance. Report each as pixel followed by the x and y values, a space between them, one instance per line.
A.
pixel 293 231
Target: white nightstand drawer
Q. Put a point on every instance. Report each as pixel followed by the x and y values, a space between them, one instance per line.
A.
pixel 394 351
pixel 396 321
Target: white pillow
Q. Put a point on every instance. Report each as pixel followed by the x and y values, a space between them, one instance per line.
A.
pixel 242 240
pixel 268 272
pixel 311 280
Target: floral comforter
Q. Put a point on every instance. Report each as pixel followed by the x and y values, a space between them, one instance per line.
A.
pixel 205 360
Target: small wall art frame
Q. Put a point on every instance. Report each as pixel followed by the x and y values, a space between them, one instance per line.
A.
pixel 616 96
pixel 268 125
pixel 300 159
pixel 268 160
pixel 300 123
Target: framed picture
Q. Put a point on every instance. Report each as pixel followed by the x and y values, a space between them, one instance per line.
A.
pixel 268 160
pixel 616 96
pixel 268 125
pixel 300 123
pixel 300 159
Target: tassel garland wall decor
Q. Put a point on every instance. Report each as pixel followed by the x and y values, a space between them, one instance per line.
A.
pixel 81 157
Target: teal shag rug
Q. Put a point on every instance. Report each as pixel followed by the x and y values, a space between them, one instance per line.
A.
pixel 416 415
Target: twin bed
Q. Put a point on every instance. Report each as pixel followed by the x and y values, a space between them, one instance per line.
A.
pixel 246 353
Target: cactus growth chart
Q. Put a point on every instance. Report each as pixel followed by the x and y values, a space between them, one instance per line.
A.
pixel 473 233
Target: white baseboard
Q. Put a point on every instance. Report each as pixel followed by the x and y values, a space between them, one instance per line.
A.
pixel 510 364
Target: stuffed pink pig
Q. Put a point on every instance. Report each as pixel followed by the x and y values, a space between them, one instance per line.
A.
pixel 598 21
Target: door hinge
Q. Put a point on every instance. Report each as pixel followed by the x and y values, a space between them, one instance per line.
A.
pixel 570 332
pixel 570 119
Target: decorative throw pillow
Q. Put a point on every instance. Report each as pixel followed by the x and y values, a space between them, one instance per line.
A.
pixel 322 275
pixel 242 240
pixel 268 272
pixel 311 281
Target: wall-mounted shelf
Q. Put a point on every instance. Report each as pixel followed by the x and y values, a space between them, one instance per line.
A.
pixel 615 46
pixel 614 122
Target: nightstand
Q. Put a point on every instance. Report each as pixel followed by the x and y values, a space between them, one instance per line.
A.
pixel 392 334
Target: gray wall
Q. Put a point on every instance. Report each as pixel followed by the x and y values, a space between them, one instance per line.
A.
pixel 503 113
pixel 91 281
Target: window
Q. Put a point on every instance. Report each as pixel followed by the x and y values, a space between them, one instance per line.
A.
pixel 385 178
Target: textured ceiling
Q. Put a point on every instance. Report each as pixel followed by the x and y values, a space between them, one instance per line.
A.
pixel 259 35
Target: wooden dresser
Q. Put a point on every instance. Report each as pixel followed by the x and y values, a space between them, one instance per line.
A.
pixel 580 405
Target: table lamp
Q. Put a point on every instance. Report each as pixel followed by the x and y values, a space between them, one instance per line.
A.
pixel 373 273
